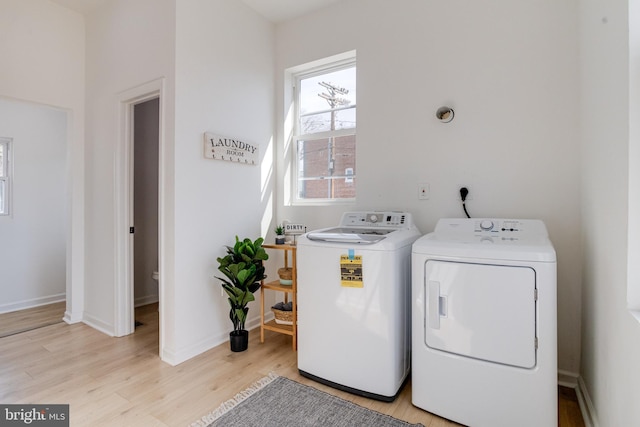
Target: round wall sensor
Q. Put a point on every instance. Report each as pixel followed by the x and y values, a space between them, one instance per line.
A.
pixel 445 114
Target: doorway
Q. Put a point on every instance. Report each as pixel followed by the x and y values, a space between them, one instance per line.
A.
pixel 35 193
pixel 127 294
pixel 145 202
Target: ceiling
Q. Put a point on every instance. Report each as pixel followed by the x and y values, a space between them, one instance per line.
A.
pixel 284 10
pixel 274 10
pixel 82 6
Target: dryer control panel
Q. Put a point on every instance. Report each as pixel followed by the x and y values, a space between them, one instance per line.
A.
pixel 497 225
pixel 503 229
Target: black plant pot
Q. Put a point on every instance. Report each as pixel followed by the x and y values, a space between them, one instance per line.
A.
pixel 239 340
pixel 280 240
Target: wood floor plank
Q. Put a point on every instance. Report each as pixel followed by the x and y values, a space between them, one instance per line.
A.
pixel 25 320
pixel 122 382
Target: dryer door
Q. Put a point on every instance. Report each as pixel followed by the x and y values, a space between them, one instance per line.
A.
pixel 482 311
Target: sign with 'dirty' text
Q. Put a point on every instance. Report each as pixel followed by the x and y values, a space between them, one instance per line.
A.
pixel 294 228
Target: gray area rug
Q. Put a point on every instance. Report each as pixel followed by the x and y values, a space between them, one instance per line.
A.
pixel 280 402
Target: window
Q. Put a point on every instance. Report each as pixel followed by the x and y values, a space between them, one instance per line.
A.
pixel 5 183
pixel 324 140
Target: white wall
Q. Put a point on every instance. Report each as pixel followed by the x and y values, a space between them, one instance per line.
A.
pixel 610 334
pixel 220 56
pixel 33 243
pixel 224 84
pixel 42 50
pixel 509 70
pixel 128 44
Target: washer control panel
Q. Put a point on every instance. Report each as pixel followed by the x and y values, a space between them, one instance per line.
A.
pixel 376 219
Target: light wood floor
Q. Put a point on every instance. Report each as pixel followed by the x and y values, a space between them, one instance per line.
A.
pixel 31 318
pixel 122 382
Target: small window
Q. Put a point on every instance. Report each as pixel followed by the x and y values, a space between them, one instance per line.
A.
pixel 5 177
pixel 325 133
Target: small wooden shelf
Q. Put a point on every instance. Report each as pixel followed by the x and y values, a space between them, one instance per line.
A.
pixel 271 325
pixel 276 286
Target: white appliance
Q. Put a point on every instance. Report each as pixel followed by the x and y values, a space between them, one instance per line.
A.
pixel 484 323
pixel 354 305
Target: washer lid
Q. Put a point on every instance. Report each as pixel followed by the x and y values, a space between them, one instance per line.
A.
pixel 362 236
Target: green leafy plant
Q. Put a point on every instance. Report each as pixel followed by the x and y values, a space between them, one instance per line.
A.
pixel 243 270
pixel 279 230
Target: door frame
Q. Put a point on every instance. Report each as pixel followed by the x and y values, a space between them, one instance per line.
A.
pixel 124 323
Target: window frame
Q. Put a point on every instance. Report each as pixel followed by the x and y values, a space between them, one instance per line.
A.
pixel 5 177
pixel 633 178
pixel 296 78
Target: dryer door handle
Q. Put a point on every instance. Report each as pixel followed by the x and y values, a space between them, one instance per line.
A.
pixel 434 304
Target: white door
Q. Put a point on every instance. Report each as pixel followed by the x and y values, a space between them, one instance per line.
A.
pixel 482 311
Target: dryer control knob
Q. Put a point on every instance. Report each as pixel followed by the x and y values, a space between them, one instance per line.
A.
pixel 486 225
pixel 373 218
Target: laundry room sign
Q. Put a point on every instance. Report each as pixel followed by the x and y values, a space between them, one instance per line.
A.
pixel 219 147
pixel 351 271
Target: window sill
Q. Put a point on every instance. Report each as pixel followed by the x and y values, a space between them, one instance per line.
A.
pixel 324 202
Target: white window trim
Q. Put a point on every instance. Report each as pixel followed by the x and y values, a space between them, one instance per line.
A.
pixel 327 65
pixel 6 178
pixel 633 243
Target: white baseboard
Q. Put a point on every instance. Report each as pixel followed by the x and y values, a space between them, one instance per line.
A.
pixel 175 357
pixel 567 379
pixel 98 324
pixel 71 319
pixel 575 381
pixel 145 300
pixel 31 303
pixel 586 405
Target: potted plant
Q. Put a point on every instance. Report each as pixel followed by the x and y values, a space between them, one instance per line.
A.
pixel 243 271
pixel 279 235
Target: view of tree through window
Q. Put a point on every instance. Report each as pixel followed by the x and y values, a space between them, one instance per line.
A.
pixel 326 140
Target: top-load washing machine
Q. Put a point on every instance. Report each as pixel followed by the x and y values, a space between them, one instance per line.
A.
pixel 484 323
pixel 354 306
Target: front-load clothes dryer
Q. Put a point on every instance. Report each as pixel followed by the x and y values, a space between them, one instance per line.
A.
pixel 354 305
pixel 484 323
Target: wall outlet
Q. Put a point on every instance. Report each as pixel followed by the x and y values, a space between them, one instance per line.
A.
pixel 423 191
pixel 459 198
